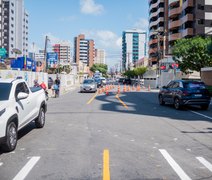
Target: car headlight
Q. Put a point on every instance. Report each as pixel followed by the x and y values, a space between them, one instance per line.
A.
pixel 2 111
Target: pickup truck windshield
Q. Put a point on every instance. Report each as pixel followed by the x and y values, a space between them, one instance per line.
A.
pixel 5 91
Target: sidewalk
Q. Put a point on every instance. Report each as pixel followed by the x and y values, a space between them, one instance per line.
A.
pixel 64 90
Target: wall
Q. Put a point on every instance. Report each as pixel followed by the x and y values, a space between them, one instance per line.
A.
pixel 27 75
pixel 206 76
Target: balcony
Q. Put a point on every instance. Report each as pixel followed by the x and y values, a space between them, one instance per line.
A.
pixel 175 36
pixel 155 5
pixel 188 17
pixel 189 3
pixel 174 24
pixel 156 13
pixel 153 41
pixel 175 11
pixel 172 2
pixel 188 32
pixel 154 23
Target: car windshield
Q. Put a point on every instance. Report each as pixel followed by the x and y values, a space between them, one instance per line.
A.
pixel 5 91
pixel 194 85
pixel 88 81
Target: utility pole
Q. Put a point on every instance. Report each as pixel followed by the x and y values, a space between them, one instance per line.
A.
pixel 45 53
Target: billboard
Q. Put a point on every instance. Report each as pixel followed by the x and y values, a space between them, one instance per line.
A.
pixel 52 60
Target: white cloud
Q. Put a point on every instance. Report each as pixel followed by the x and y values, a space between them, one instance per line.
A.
pixel 142 24
pixel 90 7
pixel 109 41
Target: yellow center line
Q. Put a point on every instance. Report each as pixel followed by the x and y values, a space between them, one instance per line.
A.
pixel 117 96
pixel 106 165
pixel 92 98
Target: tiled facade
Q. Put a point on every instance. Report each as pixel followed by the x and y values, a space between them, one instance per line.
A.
pixel 176 19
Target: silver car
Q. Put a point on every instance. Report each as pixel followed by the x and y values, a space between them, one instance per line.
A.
pixel 88 85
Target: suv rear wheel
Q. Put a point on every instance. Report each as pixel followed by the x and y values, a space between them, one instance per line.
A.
pixel 161 101
pixel 177 103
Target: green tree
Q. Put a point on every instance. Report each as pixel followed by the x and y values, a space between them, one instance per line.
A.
pixel 102 68
pixel 192 54
pixel 140 71
pixel 129 73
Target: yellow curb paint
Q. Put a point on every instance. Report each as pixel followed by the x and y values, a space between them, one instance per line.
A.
pixel 92 98
pixel 117 96
pixel 106 165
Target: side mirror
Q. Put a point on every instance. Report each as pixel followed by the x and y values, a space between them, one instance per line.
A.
pixel 164 87
pixel 22 95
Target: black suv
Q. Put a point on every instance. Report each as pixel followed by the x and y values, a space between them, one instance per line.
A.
pixel 185 92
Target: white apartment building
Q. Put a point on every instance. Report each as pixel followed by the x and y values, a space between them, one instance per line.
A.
pixel 134 47
pixel 1 23
pixel 63 49
pixel 99 56
pixel 15 27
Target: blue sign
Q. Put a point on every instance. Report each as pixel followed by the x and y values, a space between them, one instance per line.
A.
pixel 52 60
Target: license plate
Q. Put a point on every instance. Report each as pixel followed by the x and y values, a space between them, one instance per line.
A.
pixel 198 95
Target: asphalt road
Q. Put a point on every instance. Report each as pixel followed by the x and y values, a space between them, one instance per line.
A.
pixel 127 137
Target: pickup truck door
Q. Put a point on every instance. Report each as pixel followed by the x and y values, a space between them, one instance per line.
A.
pixel 22 106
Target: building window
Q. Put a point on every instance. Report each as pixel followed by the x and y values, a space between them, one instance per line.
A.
pixel 200 7
pixel 201 21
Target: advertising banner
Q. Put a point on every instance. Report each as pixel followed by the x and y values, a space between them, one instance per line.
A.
pixel 52 60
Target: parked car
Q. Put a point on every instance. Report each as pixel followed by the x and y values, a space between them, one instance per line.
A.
pixel 127 81
pixel 185 92
pixel 50 82
pixel 19 105
pixel 88 85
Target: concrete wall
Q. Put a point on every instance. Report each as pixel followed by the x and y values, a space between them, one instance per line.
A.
pixel 27 75
pixel 206 76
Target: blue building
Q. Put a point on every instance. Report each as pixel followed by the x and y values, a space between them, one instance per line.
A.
pixel 134 47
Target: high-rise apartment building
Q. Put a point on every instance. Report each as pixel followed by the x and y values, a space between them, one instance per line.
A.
pixel 84 50
pixel 99 56
pixel 133 47
pixel 1 23
pixel 63 49
pixel 170 20
pixel 15 27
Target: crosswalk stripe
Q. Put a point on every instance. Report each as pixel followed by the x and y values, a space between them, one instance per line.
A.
pixel 26 169
pixel 205 163
pixel 1 163
pixel 174 165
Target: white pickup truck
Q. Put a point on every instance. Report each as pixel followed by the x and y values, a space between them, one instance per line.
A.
pixel 19 105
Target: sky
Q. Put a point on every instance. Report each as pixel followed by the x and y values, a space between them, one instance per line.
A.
pixel 100 20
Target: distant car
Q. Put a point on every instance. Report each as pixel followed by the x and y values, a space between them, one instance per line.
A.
pixel 127 81
pixel 182 93
pixel 88 85
pixel 103 80
pixel 50 82
pixel 98 82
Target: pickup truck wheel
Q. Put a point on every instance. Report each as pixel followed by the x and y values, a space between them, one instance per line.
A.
pixel 11 137
pixel 40 121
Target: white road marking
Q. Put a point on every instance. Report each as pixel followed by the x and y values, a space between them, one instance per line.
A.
pixel 201 114
pixel 205 163
pixel 174 165
pixel 1 163
pixel 26 169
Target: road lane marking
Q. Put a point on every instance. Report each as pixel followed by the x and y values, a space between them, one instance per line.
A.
pixel 201 115
pixel 27 168
pixel 174 165
pixel 117 96
pixel 92 98
pixel 106 165
pixel 205 163
pixel 1 163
